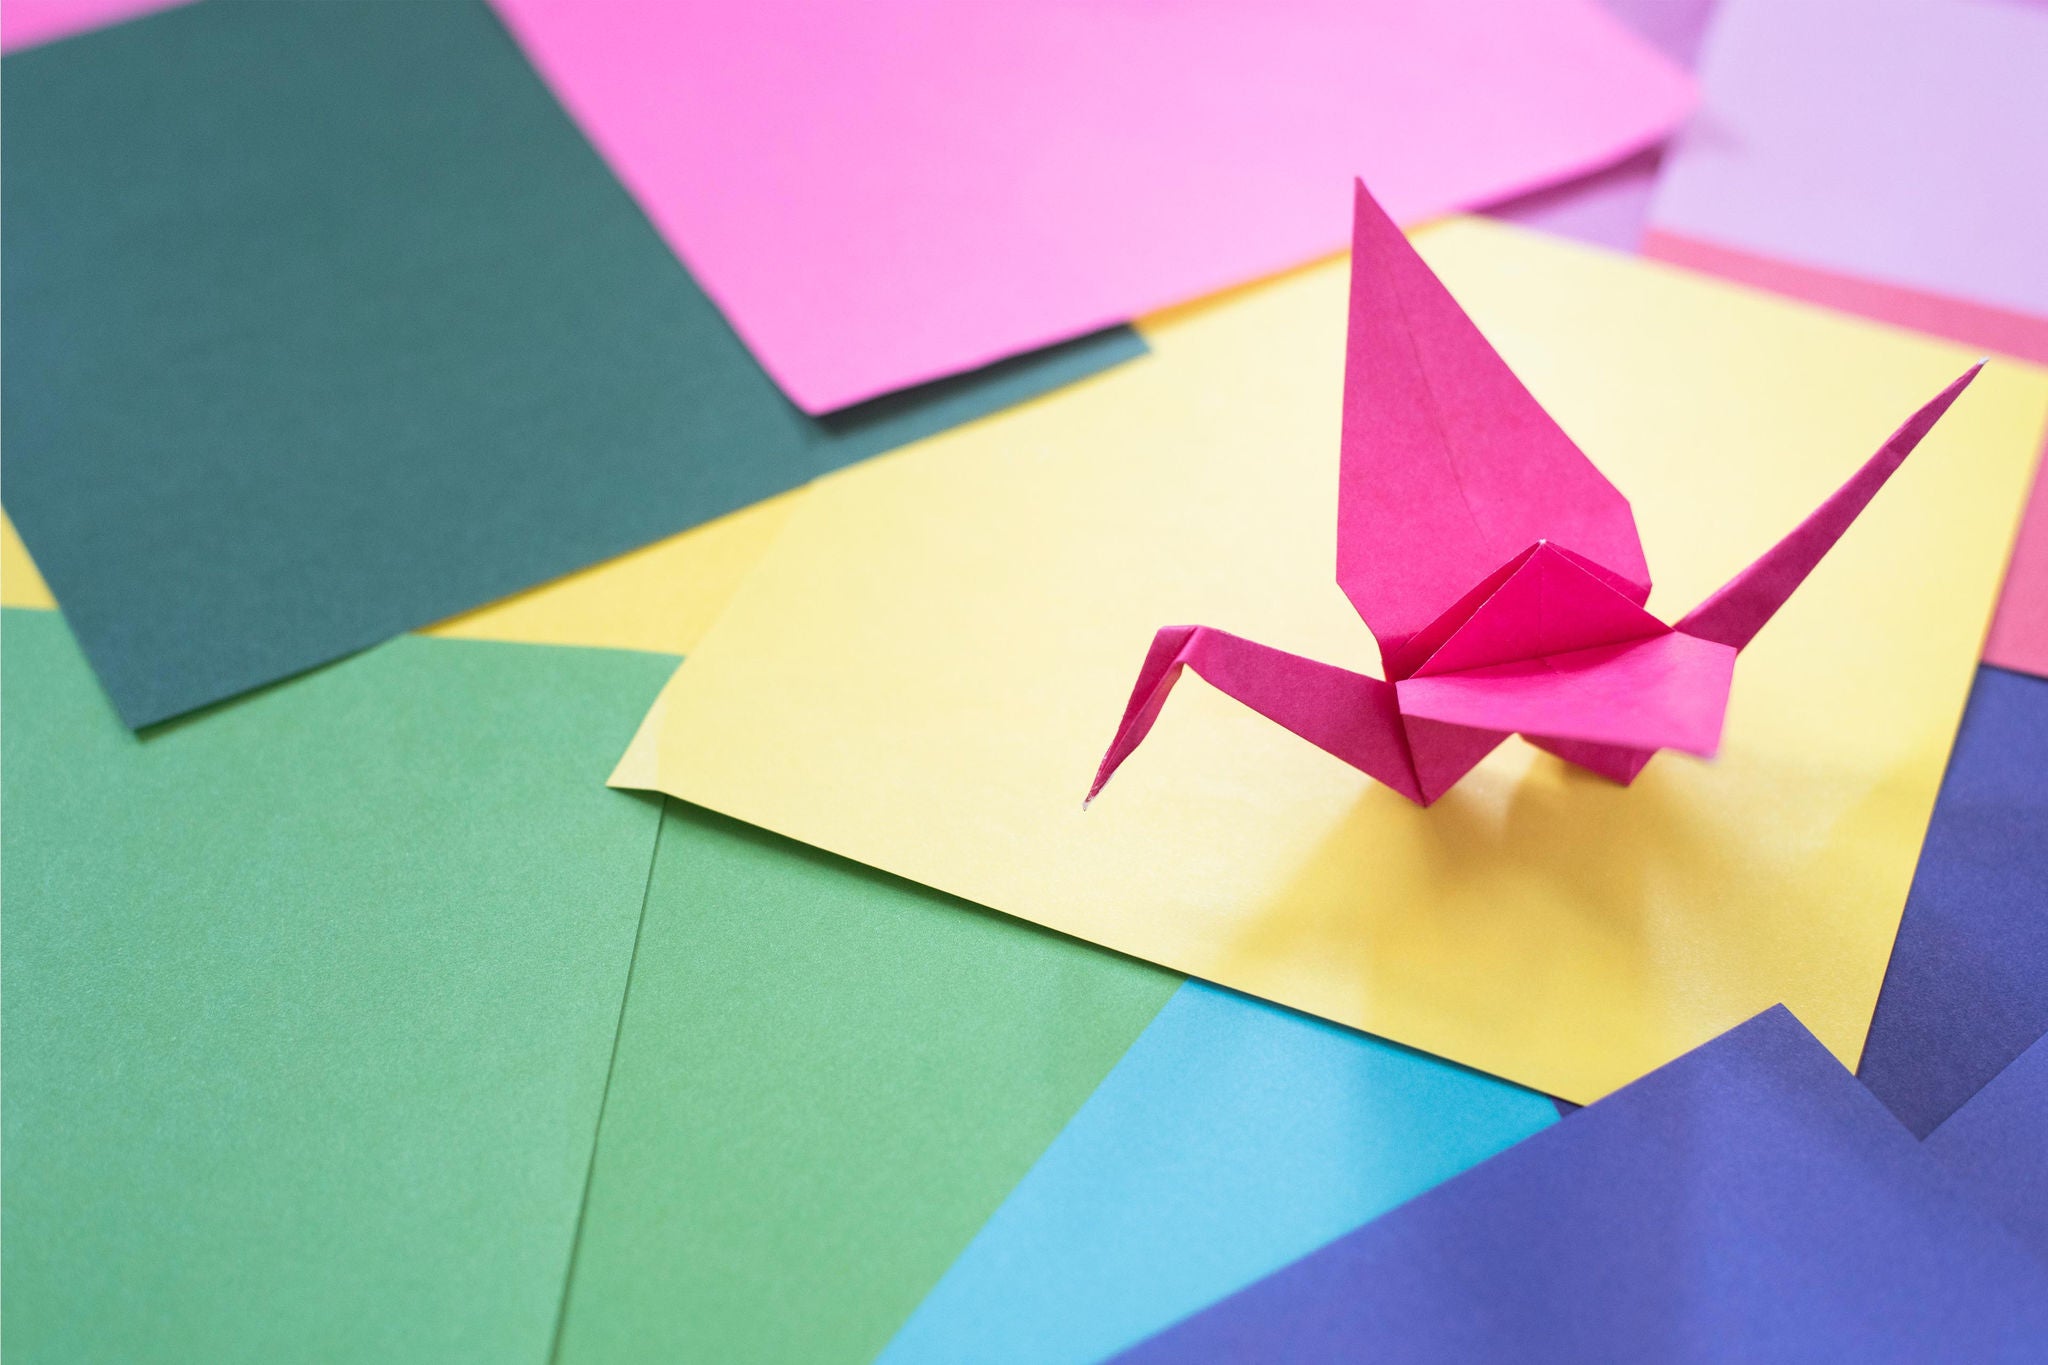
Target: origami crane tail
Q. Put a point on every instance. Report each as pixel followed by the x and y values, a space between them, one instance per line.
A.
pixel 1733 615
pixel 1349 715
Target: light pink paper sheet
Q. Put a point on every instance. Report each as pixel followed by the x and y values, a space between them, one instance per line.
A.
pixel 883 193
pixel 24 23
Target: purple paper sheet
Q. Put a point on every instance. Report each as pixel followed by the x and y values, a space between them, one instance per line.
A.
pixel 1897 141
pixel 1967 988
pixel 1610 207
pixel 1748 1201
pixel 1997 1144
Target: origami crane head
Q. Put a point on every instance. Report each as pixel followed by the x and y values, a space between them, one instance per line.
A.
pixel 1499 570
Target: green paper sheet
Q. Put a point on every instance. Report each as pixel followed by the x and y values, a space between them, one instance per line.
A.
pixel 309 1003
pixel 827 1079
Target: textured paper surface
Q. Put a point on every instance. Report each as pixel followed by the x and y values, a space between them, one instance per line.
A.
pixel 1232 1138
pixel 1967 987
pixel 1748 1202
pixel 921 672
pixel 1998 1145
pixel 882 193
pixel 326 323
pixel 827 1079
pixel 1882 139
pixel 309 1003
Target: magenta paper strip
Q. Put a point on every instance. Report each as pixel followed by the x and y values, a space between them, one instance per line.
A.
pixel 1974 324
pixel 883 193
pixel 2019 632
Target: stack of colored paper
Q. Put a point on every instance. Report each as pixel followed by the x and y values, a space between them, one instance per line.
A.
pixel 925 682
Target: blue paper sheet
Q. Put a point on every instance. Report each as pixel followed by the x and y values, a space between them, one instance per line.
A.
pixel 1748 1201
pixel 1233 1137
pixel 1997 1144
pixel 1967 988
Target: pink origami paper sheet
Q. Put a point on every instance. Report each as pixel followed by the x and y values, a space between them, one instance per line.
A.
pixel 883 193
pixel 25 23
pixel 1498 570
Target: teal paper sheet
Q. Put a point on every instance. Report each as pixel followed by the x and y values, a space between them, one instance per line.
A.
pixel 325 323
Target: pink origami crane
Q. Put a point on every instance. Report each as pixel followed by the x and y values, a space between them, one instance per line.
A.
pixel 1499 571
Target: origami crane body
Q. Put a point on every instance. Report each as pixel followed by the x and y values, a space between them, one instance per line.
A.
pixel 1499 571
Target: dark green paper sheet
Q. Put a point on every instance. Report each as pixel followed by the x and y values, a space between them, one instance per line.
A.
pixel 325 323
pixel 826 1080
pixel 309 1004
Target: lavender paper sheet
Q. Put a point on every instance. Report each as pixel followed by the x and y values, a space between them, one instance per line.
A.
pixel 1899 141
pixel 1611 206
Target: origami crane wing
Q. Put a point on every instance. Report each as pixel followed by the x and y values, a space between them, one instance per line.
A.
pixel 1668 691
pixel 1557 656
pixel 1746 602
pixel 1450 469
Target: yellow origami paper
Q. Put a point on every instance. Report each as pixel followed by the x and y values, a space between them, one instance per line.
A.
pixel 661 598
pixel 923 670
pixel 21 584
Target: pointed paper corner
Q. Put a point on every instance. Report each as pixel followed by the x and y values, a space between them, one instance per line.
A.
pixel 1743 606
pixel 639 768
pixel 1370 222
